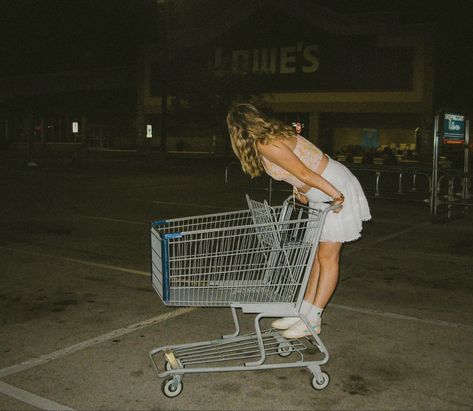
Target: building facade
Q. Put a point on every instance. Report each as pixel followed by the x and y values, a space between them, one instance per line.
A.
pixel 351 81
pixel 364 81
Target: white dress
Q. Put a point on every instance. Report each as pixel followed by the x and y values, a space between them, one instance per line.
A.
pixel 339 227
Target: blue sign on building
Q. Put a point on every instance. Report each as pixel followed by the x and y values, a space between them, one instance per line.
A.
pixel 370 138
pixel 454 128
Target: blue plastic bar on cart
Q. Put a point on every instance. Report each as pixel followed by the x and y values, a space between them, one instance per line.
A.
pixel 165 257
pixel 158 222
pixel 165 261
pixel 172 235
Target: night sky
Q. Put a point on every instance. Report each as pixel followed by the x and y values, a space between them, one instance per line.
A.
pixel 53 35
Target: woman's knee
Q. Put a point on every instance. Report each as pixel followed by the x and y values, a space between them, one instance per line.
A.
pixel 328 254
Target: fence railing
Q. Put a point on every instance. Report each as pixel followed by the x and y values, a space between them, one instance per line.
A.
pixel 397 180
pixel 391 182
pixel 453 190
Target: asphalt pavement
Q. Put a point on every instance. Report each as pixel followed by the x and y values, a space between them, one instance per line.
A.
pixel 79 314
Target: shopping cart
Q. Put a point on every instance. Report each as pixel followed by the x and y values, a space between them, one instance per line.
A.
pixel 257 260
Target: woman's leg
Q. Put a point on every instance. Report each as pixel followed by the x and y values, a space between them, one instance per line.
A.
pixel 313 281
pixel 328 257
pixel 286 322
pixel 321 286
pixel 319 290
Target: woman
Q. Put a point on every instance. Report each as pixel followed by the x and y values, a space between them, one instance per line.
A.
pixel 264 145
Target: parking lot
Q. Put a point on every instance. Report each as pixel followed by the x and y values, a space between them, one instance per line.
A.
pixel 79 314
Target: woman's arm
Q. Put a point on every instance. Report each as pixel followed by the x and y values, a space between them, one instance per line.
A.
pixel 280 154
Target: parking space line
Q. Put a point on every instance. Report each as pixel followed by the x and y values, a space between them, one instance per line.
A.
pixel 397 233
pixel 385 238
pixel 30 398
pixel 112 220
pixel 146 273
pixel 77 261
pixel 436 255
pixel 43 359
pixel 194 205
pixel 384 220
pixel 134 222
pixel 396 316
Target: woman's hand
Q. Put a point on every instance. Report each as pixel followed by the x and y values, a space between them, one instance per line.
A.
pixel 300 197
pixel 338 201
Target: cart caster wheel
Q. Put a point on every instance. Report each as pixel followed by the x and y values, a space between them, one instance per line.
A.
pixel 170 389
pixel 322 383
pixel 285 349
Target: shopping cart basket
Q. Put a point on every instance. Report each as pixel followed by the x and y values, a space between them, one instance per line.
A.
pixel 257 260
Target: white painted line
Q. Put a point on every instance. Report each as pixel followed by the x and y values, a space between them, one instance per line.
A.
pixel 385 238
pixel 394 221
pixel 43 359
pixel 397 233
pixel 30 398
pixel 192 205
pixel 436 255
pixel 396 316
pixel 113 220
pixel 142 223
pixel 77 261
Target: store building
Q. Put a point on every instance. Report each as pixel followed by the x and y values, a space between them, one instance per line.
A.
pixel 87 107
pixel 350 80
pixel 362 80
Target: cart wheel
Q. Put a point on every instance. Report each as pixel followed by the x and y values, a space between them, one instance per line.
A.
pixel 170 389
pixel 285 349
pixel 322 383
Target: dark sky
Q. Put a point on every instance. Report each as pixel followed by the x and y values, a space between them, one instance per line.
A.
pixel 108 30
pixel 36 35
pixel 43 35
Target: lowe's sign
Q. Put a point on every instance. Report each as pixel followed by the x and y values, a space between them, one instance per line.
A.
pixel 454 128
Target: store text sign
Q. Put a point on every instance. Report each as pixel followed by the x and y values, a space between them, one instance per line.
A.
pixel 454 128
pixel 300 58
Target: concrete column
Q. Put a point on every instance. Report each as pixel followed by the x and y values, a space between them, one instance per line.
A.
pixel 83 133
pixel 141 86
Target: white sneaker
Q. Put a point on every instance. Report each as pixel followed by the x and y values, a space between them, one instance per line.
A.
pixel 284 323
pixel 299 330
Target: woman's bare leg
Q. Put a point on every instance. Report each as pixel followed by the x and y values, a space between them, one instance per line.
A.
pixel 286 322
pixel 321 286
pixel 313 281
pixel 328 257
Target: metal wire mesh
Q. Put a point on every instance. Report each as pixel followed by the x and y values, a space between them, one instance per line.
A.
pixel 257 255
pixel 242 347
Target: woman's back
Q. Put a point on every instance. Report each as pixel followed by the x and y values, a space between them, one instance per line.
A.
pixel 307 152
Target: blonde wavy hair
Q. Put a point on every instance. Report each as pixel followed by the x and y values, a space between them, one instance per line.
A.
pixel 248 126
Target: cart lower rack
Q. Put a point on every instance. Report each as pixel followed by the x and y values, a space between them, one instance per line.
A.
pixel 257 260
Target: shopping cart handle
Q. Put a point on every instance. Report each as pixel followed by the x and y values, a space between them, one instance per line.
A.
pixel 292 199
pixel 334 207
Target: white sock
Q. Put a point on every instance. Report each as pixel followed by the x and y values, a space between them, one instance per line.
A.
pixel 315 314
pixel 306 307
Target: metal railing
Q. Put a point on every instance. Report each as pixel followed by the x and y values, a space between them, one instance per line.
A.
pixel 453 190
pixel 392 182
pixel 406 181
